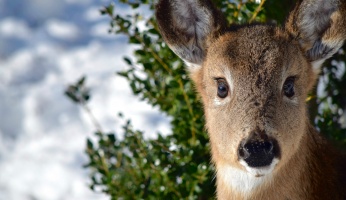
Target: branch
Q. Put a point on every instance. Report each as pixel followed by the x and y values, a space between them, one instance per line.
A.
pixel 258 9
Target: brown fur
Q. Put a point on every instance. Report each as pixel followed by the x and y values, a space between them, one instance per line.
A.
pixel 256 60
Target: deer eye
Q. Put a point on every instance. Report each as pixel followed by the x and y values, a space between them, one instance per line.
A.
pixel 222 88
pixel 288 88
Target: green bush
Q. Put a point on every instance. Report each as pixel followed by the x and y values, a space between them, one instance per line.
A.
pixel 178 166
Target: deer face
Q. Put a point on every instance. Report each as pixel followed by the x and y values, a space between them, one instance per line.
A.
pixel 254 84
pixel 253 79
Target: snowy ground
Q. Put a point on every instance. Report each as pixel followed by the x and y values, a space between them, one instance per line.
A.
pixel 44 46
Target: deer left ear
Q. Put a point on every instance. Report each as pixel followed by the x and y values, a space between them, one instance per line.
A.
pixel 188 27
pixel 320 28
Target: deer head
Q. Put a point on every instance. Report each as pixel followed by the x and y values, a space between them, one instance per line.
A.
pixel 253 79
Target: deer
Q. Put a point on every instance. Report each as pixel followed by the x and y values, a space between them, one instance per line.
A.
pixel 253 81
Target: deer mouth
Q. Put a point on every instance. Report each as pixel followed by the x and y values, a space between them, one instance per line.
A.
pixel 260 171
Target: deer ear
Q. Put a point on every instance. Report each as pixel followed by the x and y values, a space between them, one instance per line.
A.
pixel 320 27
pixel 188 27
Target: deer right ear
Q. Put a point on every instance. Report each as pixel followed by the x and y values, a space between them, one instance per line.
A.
pixel 188 27
pixel 320 28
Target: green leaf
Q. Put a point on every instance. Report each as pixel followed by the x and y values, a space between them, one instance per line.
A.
pixel 128 60
pixel 135 5
pixel 89 144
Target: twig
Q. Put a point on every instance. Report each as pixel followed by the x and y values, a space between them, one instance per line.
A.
pixel 240 4
pixel 258 9
pixel 180 82
pixel 91 115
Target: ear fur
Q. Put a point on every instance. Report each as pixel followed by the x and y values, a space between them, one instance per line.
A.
pixel 320 27
pixel 188 27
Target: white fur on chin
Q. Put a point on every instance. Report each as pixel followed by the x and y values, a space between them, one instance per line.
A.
pixel 246 181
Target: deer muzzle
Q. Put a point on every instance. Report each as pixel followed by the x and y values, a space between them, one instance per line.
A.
pixel 258 150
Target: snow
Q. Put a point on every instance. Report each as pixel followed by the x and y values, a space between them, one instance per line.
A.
pixel 62 30
pixel 15 28
pixel 46 45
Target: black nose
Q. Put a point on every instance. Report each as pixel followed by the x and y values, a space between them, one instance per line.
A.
pixel 258 151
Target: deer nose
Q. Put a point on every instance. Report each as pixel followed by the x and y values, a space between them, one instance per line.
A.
pixel 258 150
